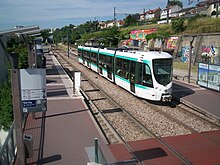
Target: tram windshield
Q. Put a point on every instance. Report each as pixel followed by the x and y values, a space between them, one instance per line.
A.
pixel 163 70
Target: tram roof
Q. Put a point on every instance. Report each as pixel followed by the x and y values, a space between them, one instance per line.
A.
pixel 134 55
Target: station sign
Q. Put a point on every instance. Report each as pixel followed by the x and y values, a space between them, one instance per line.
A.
pixel 33 90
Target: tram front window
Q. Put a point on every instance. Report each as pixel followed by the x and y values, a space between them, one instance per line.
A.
pixel 163 69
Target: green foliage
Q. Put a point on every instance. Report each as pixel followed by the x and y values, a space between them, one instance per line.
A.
pixel 6 110
pixel 74 33
pixel 176 2
pixel 89 30
pixel 21 50
pixel 45 34
pixel 130 20
pixel 158 35
pixel 109 37
pixel 178 25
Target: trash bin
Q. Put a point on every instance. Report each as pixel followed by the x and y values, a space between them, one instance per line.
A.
pixel 28 145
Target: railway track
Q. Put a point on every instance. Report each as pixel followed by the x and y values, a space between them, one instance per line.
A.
pixel 107 115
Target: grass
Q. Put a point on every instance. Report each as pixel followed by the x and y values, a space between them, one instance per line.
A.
pixel 193 25
pixel 184 67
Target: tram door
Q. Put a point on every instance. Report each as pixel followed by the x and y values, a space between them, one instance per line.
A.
pixel 100 70
pixel 109 66
pixel 88 58
pixel 83 56
pixel 101 64
pixel 109 73
pixel 132 76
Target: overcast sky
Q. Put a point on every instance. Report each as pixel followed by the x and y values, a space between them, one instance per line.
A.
pixel 58 13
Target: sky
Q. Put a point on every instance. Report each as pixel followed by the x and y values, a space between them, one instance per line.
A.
pixel 59 13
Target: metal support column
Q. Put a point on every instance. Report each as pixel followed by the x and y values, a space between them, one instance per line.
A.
pixel 15 76
pixel 190 58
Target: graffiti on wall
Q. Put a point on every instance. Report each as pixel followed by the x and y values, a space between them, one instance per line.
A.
pixel 210 54
pixel 140 34
pixel 172 42
pixel 157 43
pixel 185 53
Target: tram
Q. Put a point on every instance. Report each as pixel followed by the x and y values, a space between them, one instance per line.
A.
pixel 147 75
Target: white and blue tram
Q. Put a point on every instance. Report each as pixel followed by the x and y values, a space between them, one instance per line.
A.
pixel 145 74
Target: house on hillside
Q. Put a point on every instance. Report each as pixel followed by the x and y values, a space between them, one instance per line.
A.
pixel 187 12
pixel 102 25
pixel 172 13
pixel 150 15
pixel 109 24
pixel 208 7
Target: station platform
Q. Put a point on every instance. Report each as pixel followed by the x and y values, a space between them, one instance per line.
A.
pixel 65 133
pixel 204 100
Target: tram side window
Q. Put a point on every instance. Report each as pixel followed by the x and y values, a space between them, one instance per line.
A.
pixel 79 52
pixel 147 76
pixel 125 71
pixel 139 73
pixel 118 67
pixel 102 60
pixel 94 57
pixel 109 63
pixel 87 55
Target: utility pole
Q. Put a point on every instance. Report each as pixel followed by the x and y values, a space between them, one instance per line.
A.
pixel 68 44
pixel 190 58
pixel 144 16
pixel 168 6
pixel 114 13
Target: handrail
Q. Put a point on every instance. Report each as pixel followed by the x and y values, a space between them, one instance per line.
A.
pixel 8 150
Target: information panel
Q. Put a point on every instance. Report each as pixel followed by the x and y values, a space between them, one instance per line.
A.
pixel 203 74
pixel 33 90
pixel 209 76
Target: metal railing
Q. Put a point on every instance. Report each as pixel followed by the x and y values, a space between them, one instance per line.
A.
pixel 8 150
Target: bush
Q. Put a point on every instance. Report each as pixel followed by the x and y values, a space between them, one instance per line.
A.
pixel 178 25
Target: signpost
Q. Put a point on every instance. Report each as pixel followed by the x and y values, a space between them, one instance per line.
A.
pixel 33 90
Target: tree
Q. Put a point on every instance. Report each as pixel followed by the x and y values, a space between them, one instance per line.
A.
pixel 130 20
pixel 175 2
pixel 45 34
pixel 21 50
